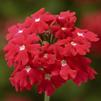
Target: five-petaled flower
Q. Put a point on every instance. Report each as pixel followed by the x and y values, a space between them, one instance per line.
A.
pixel 48 50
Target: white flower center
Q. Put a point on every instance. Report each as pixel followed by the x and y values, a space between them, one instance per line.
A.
pixel 73 43
pixel 47 76
pixel 60 17
pixel 42 69
pixel 21 48
pixel 37 20
pixel 63 63
pixel 63 28
pixel 28 68
pixel 20 31
pixel 80 34
pixel 45 55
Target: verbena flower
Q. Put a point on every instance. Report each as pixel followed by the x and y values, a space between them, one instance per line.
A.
pixel 48 50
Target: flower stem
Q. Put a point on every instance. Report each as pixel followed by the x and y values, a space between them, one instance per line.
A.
pixel 46 98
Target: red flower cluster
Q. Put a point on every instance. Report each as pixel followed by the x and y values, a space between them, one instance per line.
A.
pixel 88 22
pixel 48 50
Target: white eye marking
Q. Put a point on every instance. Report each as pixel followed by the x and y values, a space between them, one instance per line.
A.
pixel 28 68
pixel 45 55
pixel 80 34
pixel 20 31
pixel 63 63
pixel 47 76
pixel 21 48
pixel 42 69
pixel 73 43
pixel 60 17
pixel 63 28
pixel 37 20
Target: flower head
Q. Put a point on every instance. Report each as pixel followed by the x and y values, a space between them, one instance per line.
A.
pixel 48 50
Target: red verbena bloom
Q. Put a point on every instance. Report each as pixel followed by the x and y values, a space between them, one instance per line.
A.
pixel 48 50
pixel 40 21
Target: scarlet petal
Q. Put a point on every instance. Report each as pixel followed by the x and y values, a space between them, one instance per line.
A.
pixel 67 73
pixel 22 58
